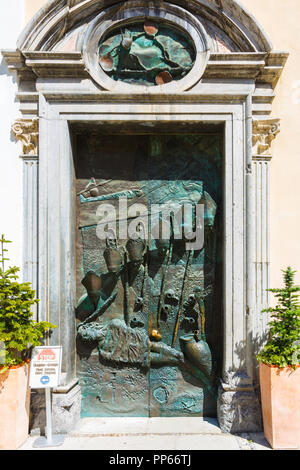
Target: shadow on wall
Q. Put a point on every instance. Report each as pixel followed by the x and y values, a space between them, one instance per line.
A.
pixel 257 342
pixel 239 404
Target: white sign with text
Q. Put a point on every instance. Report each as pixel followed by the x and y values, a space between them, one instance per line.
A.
pixel 45 367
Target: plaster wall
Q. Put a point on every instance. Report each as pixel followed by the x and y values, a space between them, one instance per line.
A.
pixel 11 167
pixel 31 7
pixel 281 19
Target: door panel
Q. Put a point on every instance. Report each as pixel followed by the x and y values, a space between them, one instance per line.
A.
pixel 149 310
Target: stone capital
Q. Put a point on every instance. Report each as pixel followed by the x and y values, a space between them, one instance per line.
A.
pixel 27 131
pixel 263 134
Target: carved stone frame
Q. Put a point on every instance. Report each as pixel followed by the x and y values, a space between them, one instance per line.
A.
pixel 57 214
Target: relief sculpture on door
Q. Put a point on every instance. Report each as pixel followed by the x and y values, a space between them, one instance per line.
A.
pixel 142 332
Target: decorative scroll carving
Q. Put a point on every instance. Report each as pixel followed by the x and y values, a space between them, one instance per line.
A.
pixel 264 132
pixel 27 131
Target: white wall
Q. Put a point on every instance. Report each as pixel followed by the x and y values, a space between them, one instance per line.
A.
pixel 11 190
pixel 281 19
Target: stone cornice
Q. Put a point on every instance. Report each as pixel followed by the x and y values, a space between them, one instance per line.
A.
pixel 141 98
pixel 262 158
pixel 261 67
pixel 27 132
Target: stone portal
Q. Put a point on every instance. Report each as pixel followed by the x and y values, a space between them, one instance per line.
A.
pixel 211 67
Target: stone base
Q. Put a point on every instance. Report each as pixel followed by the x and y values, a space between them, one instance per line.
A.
pixel 66 409
pixel 239 410
pixel 66 406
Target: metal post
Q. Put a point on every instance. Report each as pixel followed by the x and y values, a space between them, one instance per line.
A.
pixel 49 440
pixel 48 415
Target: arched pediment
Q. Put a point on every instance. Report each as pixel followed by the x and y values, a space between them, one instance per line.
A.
pixel 61 24
pixel 64 38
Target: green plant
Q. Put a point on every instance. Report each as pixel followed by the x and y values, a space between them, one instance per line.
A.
pixel 283 346
pixel 18 331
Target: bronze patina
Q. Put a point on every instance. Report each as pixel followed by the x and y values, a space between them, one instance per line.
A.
pixel 148 309
pixel 147 53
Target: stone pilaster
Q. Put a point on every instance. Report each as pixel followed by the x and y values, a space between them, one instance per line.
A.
pixel 26 131
pixel 66 400
pixel 261 168
pixel 264 133
pixel 239 407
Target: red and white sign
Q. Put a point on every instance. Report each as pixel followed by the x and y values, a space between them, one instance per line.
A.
pixel 47 355
pixel 45 367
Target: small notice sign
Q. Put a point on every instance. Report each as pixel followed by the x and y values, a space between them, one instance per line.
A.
pixel 45 367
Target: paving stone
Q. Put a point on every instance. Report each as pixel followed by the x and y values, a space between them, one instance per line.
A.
pixel 155 434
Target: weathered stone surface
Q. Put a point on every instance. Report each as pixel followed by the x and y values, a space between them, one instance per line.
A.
pixel 27 131
pixel 227 15
pixel 264 132
pixel 66 410
pixel 239 411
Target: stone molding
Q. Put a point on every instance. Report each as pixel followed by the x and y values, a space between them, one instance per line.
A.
pixel 60 17
pixel 263 68
pixel 264 132
pixel 42 52
pixel 27 131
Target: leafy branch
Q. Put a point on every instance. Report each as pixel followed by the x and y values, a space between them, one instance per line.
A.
pixel 283 346
pixel 18 331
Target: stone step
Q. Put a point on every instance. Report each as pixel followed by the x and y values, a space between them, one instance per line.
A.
pixel 94 427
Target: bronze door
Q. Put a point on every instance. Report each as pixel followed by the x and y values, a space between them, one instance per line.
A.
pixel 149 309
